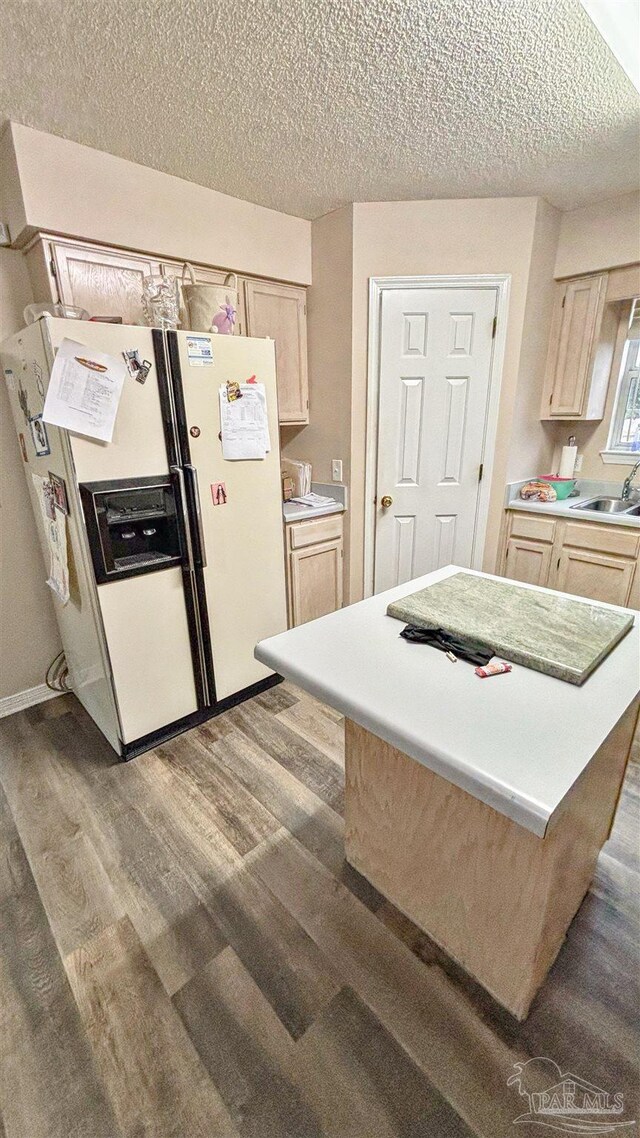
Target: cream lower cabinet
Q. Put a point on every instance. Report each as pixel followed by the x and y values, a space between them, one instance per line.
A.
pixel 587 559
pixel 529 561
pixel 314 568
pixel 589 574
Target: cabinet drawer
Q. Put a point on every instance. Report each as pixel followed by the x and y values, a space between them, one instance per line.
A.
pixel 314 531
pixel 533 527
pixel 604 539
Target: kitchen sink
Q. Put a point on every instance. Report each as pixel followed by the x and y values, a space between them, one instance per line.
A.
pixel 609 506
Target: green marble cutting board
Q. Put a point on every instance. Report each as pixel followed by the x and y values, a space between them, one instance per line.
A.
pixel 563 638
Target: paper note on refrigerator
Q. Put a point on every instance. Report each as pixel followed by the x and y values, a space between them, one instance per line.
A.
pixel 84 390
pixel 55 530
pixel 244 422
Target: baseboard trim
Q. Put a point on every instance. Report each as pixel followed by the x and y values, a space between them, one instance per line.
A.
pixel 12 703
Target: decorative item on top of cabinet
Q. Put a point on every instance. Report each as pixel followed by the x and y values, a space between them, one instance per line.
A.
pixel 210 307
pixel 581 346
pixel 314 568
pixel 203 275
pixel 279 311
pixel 587 559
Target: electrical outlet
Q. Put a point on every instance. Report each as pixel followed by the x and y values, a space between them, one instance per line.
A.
pixel 578 466
pixel 336 469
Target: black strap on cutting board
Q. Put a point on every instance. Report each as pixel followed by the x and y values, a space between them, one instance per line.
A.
pixel 437 637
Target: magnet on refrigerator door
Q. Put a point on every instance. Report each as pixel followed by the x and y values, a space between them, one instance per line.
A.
pixel 39 436
pixel 219 493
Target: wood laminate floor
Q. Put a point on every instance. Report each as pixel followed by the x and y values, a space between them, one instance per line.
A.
pixel 184 952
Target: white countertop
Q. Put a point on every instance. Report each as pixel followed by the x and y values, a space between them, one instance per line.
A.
pixel 296 512
pixel 517 742
pixel 564 509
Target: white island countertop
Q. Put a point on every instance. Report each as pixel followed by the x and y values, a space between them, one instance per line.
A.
pixel 517 742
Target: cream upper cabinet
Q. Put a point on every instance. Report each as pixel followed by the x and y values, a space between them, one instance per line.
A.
pixel 581 344
pixel 104 283
pixel 108 282
pixel 279 311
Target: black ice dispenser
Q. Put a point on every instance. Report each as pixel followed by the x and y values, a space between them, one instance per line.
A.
pixel 132 526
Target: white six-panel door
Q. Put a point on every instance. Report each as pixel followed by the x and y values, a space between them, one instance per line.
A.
pixel 435 368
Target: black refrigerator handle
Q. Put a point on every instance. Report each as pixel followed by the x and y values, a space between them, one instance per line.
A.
pixel 197 512
pixel 186 528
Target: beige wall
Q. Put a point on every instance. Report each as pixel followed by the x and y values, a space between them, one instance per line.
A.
pixel 439 237
pixel 63 187
pixel 29 637
pixel 329 329
pixel 599 236
pixel 532 442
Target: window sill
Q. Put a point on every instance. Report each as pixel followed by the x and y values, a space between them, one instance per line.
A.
pixel 620 457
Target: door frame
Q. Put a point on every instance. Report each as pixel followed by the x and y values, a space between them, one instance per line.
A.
pixel 501 282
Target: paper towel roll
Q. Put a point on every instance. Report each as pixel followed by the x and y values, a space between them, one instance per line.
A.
pixel 567 462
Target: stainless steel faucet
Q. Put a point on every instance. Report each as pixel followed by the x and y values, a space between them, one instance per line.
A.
pixel 626 485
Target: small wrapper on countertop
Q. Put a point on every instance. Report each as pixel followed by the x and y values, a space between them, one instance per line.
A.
pixel 493 670
pixel 538 492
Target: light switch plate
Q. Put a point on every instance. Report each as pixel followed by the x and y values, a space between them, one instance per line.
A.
pixel 336 469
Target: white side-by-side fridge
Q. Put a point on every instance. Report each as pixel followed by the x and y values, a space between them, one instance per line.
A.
pixel 175 554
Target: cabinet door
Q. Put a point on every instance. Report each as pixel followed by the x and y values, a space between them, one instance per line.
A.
pixel 106 284
pixel 527 561
pixel 315 581
pixel 574 337
pixel 596 575
pixel 204 276
pixel 279 311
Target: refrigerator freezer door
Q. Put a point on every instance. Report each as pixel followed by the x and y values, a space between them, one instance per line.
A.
pixel 150 651
pixel 145 619
pixel 138 446
pixel 25 364
pixel 242 534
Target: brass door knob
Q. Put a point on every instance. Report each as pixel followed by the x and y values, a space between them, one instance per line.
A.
pixel 386 501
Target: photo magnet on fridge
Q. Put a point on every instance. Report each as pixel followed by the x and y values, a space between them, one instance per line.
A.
pixel 219 493
pixel 136 367
pixel 59 493
pixel 39 436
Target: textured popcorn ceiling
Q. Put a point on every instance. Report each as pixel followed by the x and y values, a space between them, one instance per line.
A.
pixel 305 105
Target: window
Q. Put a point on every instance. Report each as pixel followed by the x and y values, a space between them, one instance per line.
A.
pixel 624 436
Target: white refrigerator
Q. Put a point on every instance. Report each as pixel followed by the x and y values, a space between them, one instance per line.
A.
pixel 175 554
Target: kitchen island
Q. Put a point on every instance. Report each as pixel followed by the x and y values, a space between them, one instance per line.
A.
pixel 478 807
